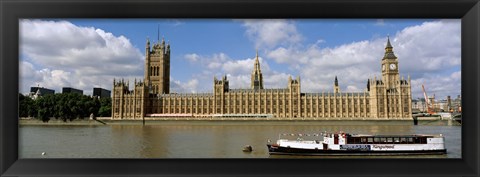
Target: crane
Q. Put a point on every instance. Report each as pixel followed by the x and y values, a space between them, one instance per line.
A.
pixel 427 102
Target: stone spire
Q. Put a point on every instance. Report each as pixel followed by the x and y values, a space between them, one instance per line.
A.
pixel 389 50
pixel 336 88
pixel 257 64
pixel 388 43
pixel 147 47
pixel 257 78
pixel 368 85
pixel 336 81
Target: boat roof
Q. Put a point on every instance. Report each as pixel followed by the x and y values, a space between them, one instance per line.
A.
pixel 388 136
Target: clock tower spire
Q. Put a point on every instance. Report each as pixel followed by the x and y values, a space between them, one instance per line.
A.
pixel 390 74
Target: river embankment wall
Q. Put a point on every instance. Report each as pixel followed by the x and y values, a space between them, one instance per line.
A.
pixel 233 121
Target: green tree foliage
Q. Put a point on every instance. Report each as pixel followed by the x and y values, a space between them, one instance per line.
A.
pixel 26 106
pixel 64 106
pixel 105 107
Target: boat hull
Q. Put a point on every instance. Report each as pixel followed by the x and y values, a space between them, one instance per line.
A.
pixel 279 150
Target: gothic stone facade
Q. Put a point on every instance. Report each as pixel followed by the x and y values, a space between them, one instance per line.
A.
pixel 387 97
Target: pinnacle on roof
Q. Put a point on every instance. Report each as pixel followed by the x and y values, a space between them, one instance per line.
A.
pixel 368 84
pixel 336 81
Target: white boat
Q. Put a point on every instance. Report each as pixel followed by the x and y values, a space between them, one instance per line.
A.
pixel 355 144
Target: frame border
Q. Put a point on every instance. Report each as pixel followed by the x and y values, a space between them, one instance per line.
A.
pixel 13 10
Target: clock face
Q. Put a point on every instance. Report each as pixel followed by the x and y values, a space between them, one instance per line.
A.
pixel 392 66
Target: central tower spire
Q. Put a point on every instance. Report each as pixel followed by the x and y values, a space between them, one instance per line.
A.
pixel 257 78
pixel 336 88
pixel 157 66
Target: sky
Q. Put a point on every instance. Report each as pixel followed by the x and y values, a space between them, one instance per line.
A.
pixel 87 53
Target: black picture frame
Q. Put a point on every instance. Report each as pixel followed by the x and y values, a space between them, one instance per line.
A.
pixel 11 11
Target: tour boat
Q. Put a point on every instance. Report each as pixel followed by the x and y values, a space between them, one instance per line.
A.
pixel 356 144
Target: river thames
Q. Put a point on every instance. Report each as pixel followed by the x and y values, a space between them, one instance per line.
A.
pixel 204 139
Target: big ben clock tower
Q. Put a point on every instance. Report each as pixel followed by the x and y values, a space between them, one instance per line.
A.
pixel 390 74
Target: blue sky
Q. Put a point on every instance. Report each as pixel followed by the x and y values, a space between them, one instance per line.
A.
pixel 87 53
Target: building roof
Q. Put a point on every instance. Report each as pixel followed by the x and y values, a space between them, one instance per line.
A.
pixel 339 94
pixel 388 43
pixel 258 90
pixel 389 51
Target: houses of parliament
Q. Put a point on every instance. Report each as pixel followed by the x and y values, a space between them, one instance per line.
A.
pixel 388 97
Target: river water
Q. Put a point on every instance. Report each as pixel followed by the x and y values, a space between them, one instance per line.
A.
pixel 202 139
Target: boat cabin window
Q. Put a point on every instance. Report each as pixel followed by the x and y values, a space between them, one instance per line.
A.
pixel 387 140
pixel 420 140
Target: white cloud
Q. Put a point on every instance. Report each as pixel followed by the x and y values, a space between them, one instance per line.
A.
pixel 271 33
pixel 238 67
pixel 380 22
pixel 60 54
pixel 440 85
pixel 282 55
pixel 238 71
pixel 177 22
pixel 190 86
pixel 276 80
pixel 429 48
pixel 192 57
pixel 239 81
pixel 429 52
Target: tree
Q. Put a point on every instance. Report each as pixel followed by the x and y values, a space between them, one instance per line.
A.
pixel 26 106
pixel 64 106
pixel 105 107
pixel 42 103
